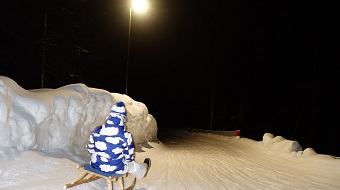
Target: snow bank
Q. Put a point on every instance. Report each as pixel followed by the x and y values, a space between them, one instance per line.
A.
pixel 45 119
pixel 281 145
pixel 140 123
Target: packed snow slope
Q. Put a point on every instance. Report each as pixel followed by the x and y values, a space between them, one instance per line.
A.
pixel 207 161
pixel 189 161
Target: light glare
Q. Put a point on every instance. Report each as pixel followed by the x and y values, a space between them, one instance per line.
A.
pixel 139 5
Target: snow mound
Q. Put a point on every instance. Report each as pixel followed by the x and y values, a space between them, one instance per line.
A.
pixel 140 123
pixel 280 144
pixel 63 118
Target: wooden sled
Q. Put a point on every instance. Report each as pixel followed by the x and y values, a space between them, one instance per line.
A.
pixel 89 174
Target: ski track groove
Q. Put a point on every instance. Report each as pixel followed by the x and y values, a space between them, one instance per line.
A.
pixel 204 158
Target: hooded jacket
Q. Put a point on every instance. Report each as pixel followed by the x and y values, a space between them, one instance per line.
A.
pixel 110 144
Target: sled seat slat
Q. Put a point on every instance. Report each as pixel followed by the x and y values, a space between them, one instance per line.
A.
pixel 88 174
pixel 89 168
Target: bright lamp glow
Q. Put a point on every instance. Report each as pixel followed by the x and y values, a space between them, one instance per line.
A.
pixel 139 5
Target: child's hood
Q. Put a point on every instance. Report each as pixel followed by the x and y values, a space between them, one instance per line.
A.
pixel 115 122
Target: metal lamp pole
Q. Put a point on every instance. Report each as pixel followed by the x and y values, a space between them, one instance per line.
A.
pixel 138 6
pixel 128 55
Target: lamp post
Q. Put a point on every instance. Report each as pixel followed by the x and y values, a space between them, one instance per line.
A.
pixel 128 55
pixel 138 6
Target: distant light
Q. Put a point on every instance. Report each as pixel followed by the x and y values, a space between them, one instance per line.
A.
pixel 139 5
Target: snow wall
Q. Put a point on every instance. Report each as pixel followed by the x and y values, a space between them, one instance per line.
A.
pixel 63 118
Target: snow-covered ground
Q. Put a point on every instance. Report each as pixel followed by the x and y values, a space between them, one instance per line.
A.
pixel 184 160
pixel 43 135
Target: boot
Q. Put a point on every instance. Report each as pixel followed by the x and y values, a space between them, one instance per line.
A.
pixel 147 161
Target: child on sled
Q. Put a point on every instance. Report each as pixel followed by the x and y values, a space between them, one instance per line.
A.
pixel 112 148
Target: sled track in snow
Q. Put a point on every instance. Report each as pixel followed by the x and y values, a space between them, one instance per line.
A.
pixel 199 161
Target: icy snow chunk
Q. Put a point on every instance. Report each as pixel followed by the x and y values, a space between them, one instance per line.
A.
pixel 267 137
pixel 295 146
pixel 309 152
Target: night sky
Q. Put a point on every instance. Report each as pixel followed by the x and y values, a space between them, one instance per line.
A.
pixel 259 66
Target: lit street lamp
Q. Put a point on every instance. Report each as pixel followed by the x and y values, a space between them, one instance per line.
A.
pixel 139 6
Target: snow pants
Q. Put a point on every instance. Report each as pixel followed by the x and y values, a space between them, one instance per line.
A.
pixel 137 170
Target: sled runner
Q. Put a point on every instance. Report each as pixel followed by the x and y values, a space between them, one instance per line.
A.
pixel 88 174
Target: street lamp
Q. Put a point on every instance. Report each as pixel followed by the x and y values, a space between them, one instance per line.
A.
pixel 139 6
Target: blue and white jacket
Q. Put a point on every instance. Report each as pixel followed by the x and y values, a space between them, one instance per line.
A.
pixel 110 144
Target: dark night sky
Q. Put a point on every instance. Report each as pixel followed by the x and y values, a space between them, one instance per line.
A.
pixel 264 66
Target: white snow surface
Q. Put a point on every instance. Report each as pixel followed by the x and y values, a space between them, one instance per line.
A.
pixel 43 134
